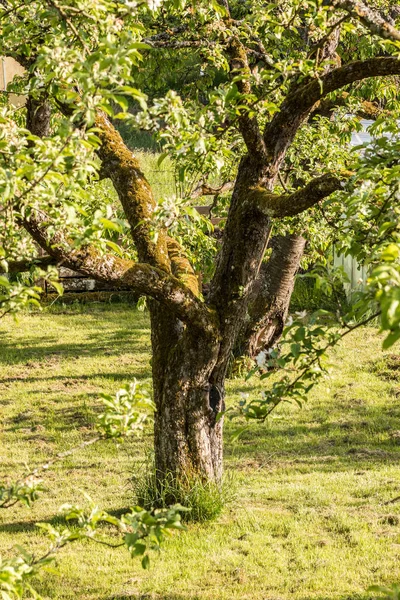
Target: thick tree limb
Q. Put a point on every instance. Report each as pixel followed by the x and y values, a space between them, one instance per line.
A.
pixel 368 17
pixel 270 295
pixel 138 202
pixel 380 66
pixel 142 278
pixel 289 205
pixel 281 130
pixel 122 167
pixel 134 192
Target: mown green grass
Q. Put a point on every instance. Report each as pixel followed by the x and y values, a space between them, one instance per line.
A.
pixel 309 521
pixel 160 177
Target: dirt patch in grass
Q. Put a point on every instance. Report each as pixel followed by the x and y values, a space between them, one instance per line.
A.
pixel 388 367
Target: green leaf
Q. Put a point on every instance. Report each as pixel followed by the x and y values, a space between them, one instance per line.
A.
pixel 145 561
pixel 236 434
pixel 161 158
pixel 122 101
pixel 233 92
pixel 57 286
pixel 107 224
pixel 391 339
pixel 390 253
pixel 117 249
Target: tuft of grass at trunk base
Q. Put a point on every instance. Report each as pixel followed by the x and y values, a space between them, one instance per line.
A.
pixel 204 500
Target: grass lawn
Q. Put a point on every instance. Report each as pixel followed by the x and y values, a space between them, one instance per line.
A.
pixel 309 520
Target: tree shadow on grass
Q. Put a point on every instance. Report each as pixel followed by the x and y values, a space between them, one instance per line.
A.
pixel 151 596
pixel 29 526
pixel 100 347
pixel 128 333
pixel 55 521
pixel 140 373
pixel 358 439
pixel 351 596
pixel 173 596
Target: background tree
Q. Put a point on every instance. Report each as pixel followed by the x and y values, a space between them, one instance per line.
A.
pixel 279 80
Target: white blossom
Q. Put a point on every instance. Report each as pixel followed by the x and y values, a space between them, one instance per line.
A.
pixel 154 4
pixel 261 359
pixel 301 314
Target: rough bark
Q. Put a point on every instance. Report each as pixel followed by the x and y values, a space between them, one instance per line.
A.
pixel 239 259
pixel 38 116
pixel 289 205
pixel 271 294
pixel 188 438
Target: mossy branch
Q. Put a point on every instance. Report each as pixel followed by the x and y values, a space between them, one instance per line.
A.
pixel 134 191
pixel 142 278
pixel 281 130
pixel 181 267
pixel 289 205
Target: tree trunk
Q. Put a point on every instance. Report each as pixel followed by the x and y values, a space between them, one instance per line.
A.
pixel 187 434
pixel 270 296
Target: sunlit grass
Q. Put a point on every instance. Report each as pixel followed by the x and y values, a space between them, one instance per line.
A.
pixel 309 521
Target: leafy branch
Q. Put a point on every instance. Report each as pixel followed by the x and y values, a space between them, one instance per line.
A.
pixel 302 343
pixel 124 416
pixel 138 530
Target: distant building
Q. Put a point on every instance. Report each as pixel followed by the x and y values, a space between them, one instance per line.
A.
pixel 8 69
pixel 356 274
